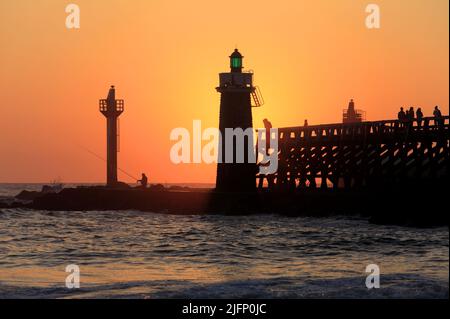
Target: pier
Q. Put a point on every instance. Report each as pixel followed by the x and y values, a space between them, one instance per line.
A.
pixel 354 155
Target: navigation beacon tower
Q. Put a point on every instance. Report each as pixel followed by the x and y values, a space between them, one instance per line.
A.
pixel 237 92
pixel 352 115
pixel 111 109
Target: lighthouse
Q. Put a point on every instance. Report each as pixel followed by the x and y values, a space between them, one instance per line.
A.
pixel 111 109
pixel 237 93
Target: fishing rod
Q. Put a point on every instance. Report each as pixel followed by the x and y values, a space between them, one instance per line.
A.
pixel 104 160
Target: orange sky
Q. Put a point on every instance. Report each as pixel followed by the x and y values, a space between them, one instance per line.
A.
pixel 309 59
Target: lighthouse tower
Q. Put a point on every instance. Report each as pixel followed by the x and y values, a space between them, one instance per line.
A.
pixel 111 109
pixel 237 91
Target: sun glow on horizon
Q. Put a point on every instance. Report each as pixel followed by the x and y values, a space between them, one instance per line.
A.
pixel 309 58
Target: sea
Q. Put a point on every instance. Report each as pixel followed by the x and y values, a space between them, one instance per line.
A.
pixel 144 255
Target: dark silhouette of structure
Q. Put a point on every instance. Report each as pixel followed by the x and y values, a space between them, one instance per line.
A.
pixel 237 92
pixel 111 109
pixel 376 162
pixel 363 154
pixel 351 115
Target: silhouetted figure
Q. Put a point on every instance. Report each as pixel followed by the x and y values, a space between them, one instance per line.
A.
pixel 419 117
pixel 143 181
pixel 267 126
pixel 411 115
pixel 437 116
pixel 306 123
pixel 270 178
pixel 401 116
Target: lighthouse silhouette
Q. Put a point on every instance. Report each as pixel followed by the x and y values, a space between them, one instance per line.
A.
pixel 111 109
pixel 237 92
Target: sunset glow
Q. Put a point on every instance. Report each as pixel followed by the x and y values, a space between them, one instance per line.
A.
pixel 309 58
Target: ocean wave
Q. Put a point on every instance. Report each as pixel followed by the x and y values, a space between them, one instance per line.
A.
pixel 393 286
pixel 267 256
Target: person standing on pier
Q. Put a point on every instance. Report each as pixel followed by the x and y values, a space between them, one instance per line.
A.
pixel 267 127
pixel 419 117
pixel 437 116
pixel 411 115
pixel 401 116
pixel 270 178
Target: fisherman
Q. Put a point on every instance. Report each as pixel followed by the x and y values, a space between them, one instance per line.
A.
pixel 306 123
pixel 143 181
